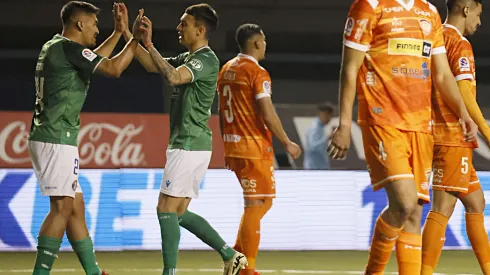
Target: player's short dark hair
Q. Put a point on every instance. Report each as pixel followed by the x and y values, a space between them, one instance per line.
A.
pixel 326 107
pixel 204 14
pixel 245 32
pixel 73 7
pixel 452 4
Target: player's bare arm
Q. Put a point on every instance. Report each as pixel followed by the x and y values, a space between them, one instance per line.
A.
pixel 446 83
pixel 174 76
pixel 351 63
pixel 273 123
pixel 107 47
pixel 115 66
pixel 142 55
pixel 465 88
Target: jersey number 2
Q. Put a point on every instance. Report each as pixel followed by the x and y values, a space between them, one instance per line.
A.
pixel 228 95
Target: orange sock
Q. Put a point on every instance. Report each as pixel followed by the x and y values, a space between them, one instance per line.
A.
pixel 409 253
pixel 238 242
pixel 477 234
pixel 250 232
pixel 383 241
pixel 433 238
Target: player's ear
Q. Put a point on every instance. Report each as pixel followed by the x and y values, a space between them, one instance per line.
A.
pixel 256 45
pixel 201 30
pixel 466 11
pixel 79 25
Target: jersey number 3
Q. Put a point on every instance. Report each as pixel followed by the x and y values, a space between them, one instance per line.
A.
pixel 228 110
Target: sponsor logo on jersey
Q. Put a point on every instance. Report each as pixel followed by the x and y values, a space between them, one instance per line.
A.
pixel 370 79
pixel 359 33
pixel 89 55
pixel 196 64
pixel 231 138
pixel 349 26
pixel 362 23
pixel 422 12
pixel 409 46
pixel 249 185
pixel 426 26
pixel 464 64
pixel 74 185
pixel 393 9
pixel 422 72
pixel 397 25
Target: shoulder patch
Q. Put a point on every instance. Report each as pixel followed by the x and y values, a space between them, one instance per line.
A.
pixel 89 55
pixel 464 64
pixel 349 26
pixel 196 64
pixel 266 86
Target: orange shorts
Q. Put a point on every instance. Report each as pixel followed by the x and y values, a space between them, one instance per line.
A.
pixel 393 154
pixel 454 171
pixel 256 177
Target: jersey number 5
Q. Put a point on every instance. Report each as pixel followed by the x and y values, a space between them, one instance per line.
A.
pixel 228 95
pixel 464 163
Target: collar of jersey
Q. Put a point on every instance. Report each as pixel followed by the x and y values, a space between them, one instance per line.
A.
pixel 248 57
pixel 408 6
pixel 201 48
pixel 66 38
pixel 452 27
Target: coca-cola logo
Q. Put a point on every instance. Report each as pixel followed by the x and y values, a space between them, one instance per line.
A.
pixel 99 143
pixel 122 152
pixel 13 143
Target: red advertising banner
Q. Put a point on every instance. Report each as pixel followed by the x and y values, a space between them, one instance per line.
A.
pixel 106 140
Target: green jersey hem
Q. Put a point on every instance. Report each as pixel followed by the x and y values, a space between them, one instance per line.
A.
pixel 190 147
pixel 52 141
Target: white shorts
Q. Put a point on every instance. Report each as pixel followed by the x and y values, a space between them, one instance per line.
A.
pixel 184 172
pixel 56 168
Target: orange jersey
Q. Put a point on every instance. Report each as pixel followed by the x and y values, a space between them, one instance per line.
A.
pixel 447 129
pixel 394 81
pixel 241 82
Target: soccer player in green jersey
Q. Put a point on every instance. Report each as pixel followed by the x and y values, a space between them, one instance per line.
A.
pixel 62 79
pixel 193 75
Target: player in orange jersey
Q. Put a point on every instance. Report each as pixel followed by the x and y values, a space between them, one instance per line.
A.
pixel 393 51
pixel 454 176
pixel 247 120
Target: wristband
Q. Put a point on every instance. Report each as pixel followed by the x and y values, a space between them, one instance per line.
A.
pixel 148 45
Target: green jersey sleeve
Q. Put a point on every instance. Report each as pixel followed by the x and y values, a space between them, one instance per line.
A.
pixel 82 58
pixel 202 66
pixel 174 61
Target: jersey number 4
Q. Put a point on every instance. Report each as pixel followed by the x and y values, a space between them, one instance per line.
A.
pixel 228 110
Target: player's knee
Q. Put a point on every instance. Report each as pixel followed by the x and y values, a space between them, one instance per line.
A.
pixel 168 204
pixel 404 209
pixel 445 208
pixel 475 206
pixel 444 202
pixel 167 208
pixel 62 206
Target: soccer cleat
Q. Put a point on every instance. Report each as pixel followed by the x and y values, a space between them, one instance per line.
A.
pixel 104 273
pixel 235 264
